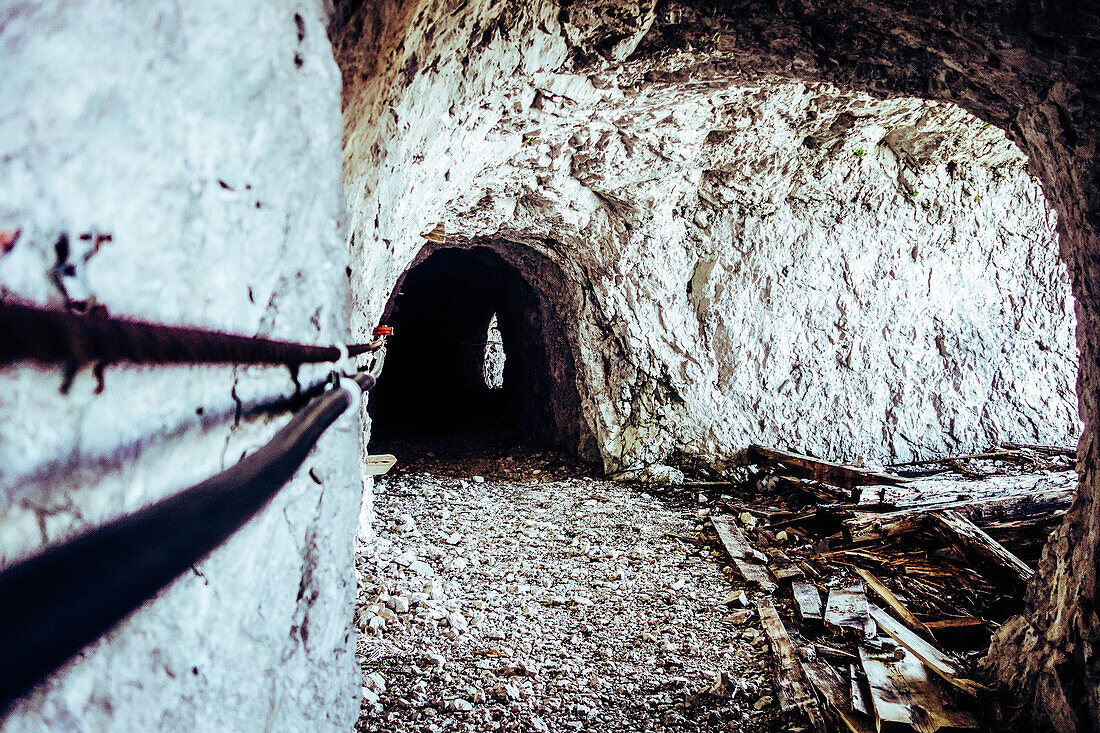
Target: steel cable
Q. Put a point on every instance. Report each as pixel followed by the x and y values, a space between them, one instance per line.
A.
pixel 50 335
pixel 59 600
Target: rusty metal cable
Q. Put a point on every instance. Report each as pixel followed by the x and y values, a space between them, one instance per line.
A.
pixel 52 336
pixel 59 600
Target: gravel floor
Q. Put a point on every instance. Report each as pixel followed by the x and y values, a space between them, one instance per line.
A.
pixel 518 593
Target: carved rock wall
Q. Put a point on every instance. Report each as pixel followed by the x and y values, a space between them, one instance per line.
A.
pixel 1027 67
pixel 204 137
pixel 749 259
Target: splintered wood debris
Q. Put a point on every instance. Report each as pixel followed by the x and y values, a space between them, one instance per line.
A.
pixel 891 583
pixel 792 685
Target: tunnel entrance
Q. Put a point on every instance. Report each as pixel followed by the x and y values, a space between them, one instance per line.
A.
pixel 478 355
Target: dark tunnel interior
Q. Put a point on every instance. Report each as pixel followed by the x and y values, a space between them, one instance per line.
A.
pixel 437 387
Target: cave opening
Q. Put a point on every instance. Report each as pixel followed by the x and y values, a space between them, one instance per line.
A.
pixel 479 357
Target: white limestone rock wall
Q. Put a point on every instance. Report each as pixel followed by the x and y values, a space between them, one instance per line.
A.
pixel 204 137
pixel 903 302
pixel 776 262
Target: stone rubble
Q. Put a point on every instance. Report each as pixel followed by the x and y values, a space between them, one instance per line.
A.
pixel 544 599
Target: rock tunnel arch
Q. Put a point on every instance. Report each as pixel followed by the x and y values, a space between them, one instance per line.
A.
pixel 1025 67
pixel 442 310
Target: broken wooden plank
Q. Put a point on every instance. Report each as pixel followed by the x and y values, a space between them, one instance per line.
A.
pixel 846 477
pixel 861 693
pixel 743 554
pixel 980 547
pixel 1024 532
pixel 846 610
pixel 792 685
pixel 704 484
pixel 818 490
pixel 786 572
pixel 777 556
pixel 870 526
pixel 892 601
pixel 781 566
pixel 809 570
pixel 833 692
pixel 944 490
pixel 834 652
pixel 937 661
pixel 903 696
pixel 1054 449
pixel 735 542
pixel 956 624
pixel 379 465
pixel 792 520
pixel 807 603
pixel 756 575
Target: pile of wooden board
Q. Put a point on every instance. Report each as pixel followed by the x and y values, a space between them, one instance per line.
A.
pixel 890 583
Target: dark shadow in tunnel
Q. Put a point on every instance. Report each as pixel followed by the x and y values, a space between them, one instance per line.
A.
pixel 434 389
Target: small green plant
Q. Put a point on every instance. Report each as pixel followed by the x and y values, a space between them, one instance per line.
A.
pixel 985 125
pixel 860 152
pixel 912 193
pixel 977 197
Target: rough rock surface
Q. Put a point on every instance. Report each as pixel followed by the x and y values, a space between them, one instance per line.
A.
pixel 536 597
pixel 746 259
pixel 1027 67
pixel 204 138
pixel 153 141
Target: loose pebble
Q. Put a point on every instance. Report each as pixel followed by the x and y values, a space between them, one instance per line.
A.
pixel 497 601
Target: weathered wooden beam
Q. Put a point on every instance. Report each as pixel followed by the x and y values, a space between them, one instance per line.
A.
pixel 1054 449
pixel 834 694
pixel 820 491
pixel 904 697
pixel 786 572
pixel 792 686
pixel 756 575
pixel 782 567
pixel 1023 534
pixel 969 456
pixel 735 542
pixel 921 492
pixel 807 603
pixel 980 547
pixel 937 661
pixel 846 610
pixel 956 624
pixel 871 526
pixel 743 555
pixel 846 477
pixel 892 601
